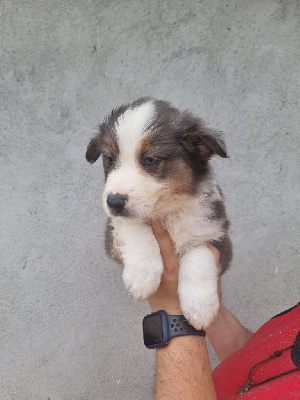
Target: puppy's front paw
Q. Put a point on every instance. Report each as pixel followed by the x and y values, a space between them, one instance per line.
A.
pixel 141 283
pixel 198 292
pixel 198 308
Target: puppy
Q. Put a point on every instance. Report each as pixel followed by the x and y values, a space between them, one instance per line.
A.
pixel 156 164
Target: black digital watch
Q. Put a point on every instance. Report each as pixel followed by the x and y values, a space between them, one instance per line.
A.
pixel 159 328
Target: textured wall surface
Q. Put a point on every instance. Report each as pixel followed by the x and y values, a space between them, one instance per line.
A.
pixel 68 330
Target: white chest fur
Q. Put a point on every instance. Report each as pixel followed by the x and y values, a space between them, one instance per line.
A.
pixel 194 225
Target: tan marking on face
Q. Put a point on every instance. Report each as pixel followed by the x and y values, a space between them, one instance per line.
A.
pixel 182 178
pixel 177 187
pixel 144 145
pixel 112 146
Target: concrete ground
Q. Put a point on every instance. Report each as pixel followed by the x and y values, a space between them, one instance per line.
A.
pixel 68 330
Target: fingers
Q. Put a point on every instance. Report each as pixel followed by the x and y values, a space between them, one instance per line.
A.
pixel 166 246
pixel 116 251
pixel 215 252
pixel 166 298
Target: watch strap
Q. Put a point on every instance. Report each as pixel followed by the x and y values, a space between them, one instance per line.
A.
pixel 179 326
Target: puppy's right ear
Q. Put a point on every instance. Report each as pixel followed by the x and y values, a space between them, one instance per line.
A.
pixel 93 150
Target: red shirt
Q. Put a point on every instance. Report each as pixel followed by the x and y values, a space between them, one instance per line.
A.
pixel 278 333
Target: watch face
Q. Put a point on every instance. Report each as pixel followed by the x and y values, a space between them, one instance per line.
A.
pixel 152 326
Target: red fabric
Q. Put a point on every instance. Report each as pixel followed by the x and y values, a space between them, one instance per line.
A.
pixel 232 373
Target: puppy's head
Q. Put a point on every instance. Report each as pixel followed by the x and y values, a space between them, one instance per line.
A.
pixel 153 156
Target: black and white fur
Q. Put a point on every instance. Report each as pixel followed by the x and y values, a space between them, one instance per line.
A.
pixel 156 163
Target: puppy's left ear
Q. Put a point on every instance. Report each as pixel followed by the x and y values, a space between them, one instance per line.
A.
pixel 93 150
pixel 207 142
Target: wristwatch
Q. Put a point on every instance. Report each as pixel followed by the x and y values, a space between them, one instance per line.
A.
pixel 159 328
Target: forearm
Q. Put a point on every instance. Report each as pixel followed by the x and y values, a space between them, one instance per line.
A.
pixel 226 334
pixel 183 370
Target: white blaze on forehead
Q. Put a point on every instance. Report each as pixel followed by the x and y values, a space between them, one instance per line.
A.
pixel 130 129
pixel 127 177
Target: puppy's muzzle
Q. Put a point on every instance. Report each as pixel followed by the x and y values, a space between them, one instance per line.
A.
pixel 116 202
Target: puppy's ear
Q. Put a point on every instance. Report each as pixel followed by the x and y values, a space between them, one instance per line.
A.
pixel 93 150
pixel 207 142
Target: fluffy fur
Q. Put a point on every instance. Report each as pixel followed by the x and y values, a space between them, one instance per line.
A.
pixel 156 164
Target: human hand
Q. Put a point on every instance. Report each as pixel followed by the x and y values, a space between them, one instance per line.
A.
pixel 166 297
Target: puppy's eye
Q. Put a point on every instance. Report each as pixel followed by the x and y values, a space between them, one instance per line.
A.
pixel 109 159
pixel 150 161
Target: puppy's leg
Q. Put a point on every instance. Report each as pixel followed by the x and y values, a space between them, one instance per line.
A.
pixel 197 286
pixel 141 256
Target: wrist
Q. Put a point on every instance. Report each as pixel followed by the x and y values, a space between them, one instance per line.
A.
pixel 218 321
pixel 226 334
pixel 159 327
pixel 169 308
pixel 170 303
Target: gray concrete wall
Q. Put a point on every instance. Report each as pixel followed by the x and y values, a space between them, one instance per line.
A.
pixel 68 331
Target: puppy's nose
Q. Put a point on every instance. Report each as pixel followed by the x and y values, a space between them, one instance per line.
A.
pixel 116 202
